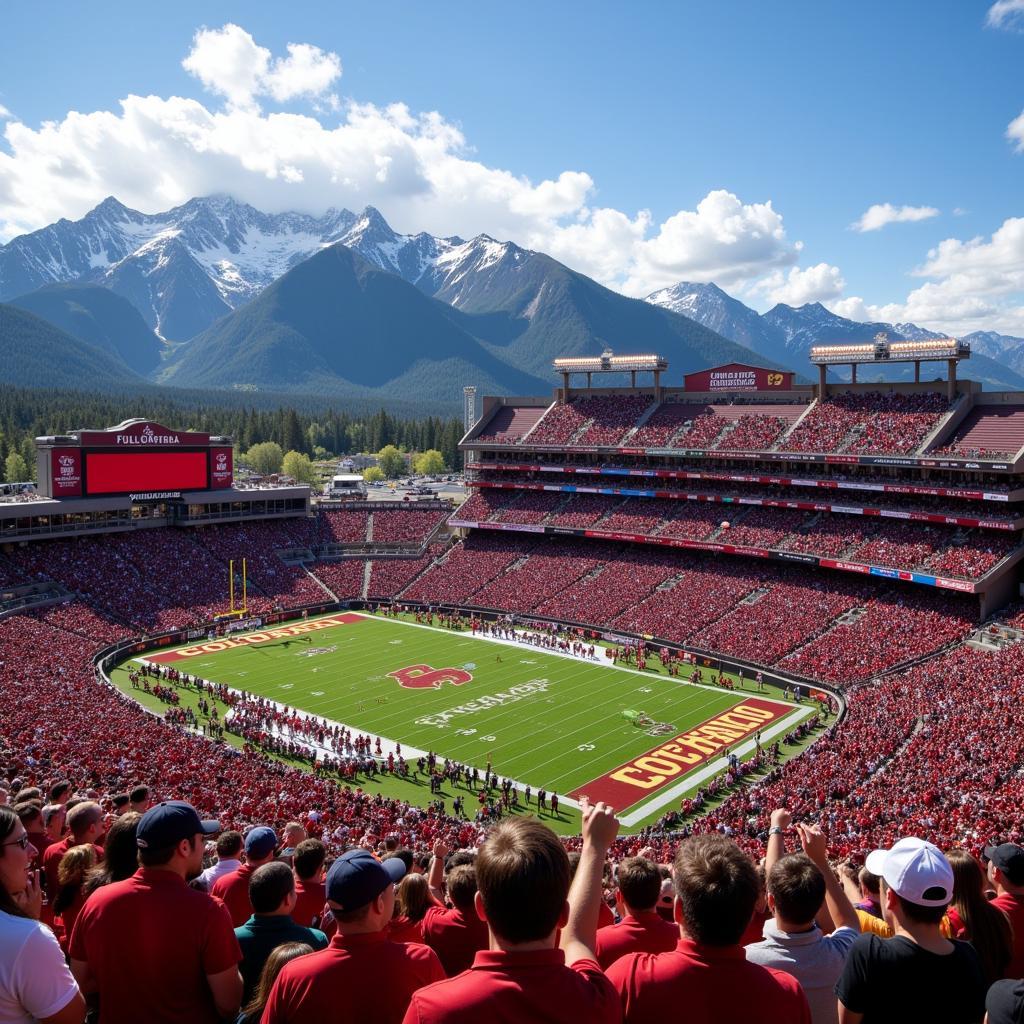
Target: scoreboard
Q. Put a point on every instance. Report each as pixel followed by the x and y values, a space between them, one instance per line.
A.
pixel 137 458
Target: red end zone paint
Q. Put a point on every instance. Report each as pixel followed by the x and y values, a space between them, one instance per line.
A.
pixel 670 761
pixel 245 639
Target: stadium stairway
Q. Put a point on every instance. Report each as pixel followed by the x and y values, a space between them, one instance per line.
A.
pixel 780 444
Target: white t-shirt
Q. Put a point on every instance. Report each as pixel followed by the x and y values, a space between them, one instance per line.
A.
pixel 34 979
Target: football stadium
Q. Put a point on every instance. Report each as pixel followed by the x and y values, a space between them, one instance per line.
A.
pixel 697 605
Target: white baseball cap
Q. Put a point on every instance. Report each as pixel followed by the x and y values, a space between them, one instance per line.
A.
pixel 915 870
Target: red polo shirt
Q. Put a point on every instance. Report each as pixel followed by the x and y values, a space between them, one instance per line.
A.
pixel 356 978
pixel 233 889
pixel 150 941
pixel 643 932
pixel 401 929
pixel 706 985
pixel 506 988
pixel 311 897
pixel 1013 907
pixel 455 937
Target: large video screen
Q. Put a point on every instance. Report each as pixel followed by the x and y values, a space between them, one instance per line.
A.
pixel 139 472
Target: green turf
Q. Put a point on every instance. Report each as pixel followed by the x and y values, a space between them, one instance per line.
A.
pixel 564 737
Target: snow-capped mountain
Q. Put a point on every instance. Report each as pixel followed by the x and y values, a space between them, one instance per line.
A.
pixel 187 267
pixel 1004 347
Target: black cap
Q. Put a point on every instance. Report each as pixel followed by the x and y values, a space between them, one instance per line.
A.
pixel 169 822
pixel 1009 858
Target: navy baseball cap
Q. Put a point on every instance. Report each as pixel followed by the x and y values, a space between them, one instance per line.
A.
pixel 260 842
pixel 1009 858
pixel 357 877
pixel 169 822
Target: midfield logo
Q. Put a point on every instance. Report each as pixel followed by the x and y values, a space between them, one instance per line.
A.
pixel 418 677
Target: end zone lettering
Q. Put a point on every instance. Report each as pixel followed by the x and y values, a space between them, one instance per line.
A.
pixel 281 633
pixel 629 783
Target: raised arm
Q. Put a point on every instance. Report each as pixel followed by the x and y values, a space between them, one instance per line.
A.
pixel 840 908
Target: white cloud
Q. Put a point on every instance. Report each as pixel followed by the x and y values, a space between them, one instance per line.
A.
pixel 723 240
pixel 820 283
pixel 1008 14
pixel 976 284
pixel 4 112
pixel 877 216
pixel 1015 132
pixel 229 62
pixel 416 167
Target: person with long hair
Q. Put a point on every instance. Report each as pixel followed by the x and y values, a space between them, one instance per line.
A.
pixel 120 854
pixel 71 875
pixel 412 901
pixel 975 919
pixel 35 983
pixel 253 1010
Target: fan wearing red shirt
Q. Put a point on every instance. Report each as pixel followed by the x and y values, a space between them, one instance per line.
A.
pixel 361 975
pixel 233 888
pixel 86 823
pixel 1006 873
pixel 154 949
pixel 642 929
pixel 523 876
pixel 707 977
pixel 311 893
pixel 456 934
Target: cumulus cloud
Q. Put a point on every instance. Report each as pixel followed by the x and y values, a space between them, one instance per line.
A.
pixel 417 167
pixel 977 284
pixel 229 62
pixel 876 217
pixel 820 283
pixel 1006 14
pixel 1015 132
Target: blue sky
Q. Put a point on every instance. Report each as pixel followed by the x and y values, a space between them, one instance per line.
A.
pixel 822 110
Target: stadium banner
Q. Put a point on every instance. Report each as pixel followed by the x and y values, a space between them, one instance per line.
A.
pixel 66 472
pixel 144 434
pixel 738 377
pixel 221 468
pixel 743 478
pixel 725 499
pixel 681 754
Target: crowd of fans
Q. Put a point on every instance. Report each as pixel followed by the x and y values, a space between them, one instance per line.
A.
pixel 868 423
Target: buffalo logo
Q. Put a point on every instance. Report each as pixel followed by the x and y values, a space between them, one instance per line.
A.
pixel 147 431
pixel 222 460
pixel 774 380
pixel 418 677
pixel 67 460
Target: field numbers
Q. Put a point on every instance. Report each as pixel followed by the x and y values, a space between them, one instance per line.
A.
pixel 316 693
pixel 645 689
pixel 585 747
pixel 287 686
pixel 488 739
pixel 465 732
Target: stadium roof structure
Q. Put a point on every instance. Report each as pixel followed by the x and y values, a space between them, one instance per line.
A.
pixel 881 350
pixel 608 362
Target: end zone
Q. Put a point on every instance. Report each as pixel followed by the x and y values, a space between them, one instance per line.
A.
pixel 649 773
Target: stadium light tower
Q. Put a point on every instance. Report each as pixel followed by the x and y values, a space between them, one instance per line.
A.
pixel 468 413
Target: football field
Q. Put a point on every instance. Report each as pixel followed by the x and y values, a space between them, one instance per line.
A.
pixel 640 740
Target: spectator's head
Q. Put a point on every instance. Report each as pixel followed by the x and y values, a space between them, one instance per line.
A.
pixel 421 863
pixel 60 792
pixel 139 799
pixel 72 869
pixel 294 833
pixel 522 872
pixel 27 793
pixel 272 889
pixel 85 820
pixel 361 891
pixel 413 897
pixel 1006 867
pixel 120 848
pixel 458 858
pixel 639 882
pixel 260 844
pixel 53 821
pixel 309 859
pixel 406 856
pixel 462 888
pixel 666 900
pixel 279 956
pixel 229 845
pixel 122 803
pixel 30 815
pixel 172 836
pixel 16 854
pixel 796 891
pixel 716 890
pixel 869 885
pixel 916 882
